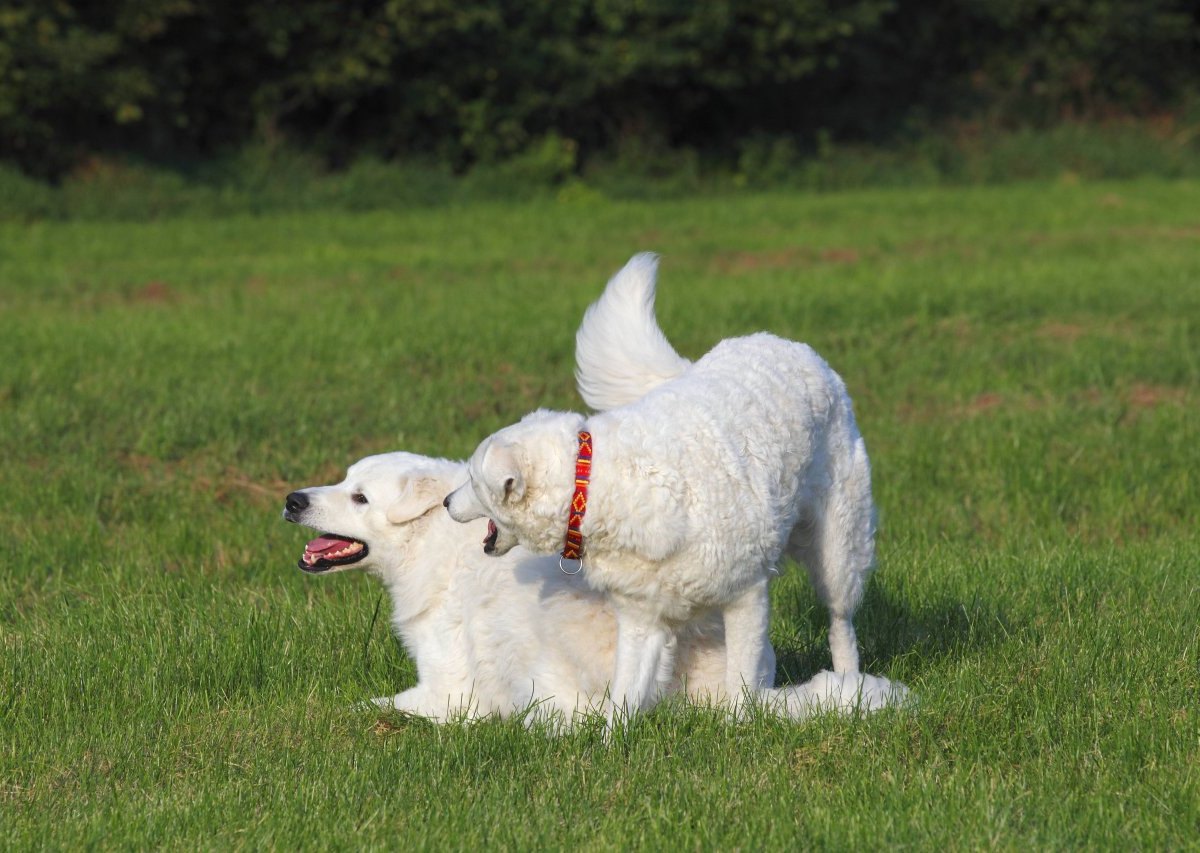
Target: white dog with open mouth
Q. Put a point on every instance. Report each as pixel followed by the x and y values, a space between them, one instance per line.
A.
pixel 509 635
pixel 687 488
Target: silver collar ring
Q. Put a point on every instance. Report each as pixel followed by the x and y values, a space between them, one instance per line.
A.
pixel 562 569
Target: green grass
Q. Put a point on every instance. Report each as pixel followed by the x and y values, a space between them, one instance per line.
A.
pixel 1025 362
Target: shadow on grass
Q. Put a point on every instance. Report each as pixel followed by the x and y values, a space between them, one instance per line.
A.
pixel 894 635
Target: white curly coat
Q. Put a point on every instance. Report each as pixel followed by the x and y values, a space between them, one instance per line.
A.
pixel 703 476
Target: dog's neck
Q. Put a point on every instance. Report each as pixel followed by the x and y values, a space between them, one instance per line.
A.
pixel 417 577
pixel 626 508
pixel 426 614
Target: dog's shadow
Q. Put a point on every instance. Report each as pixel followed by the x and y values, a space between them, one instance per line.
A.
pixel 894 636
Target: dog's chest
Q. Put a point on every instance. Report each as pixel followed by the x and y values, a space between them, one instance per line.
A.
pixel 676 589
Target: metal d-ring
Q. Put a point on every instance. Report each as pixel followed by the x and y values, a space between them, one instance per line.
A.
pixel 565 572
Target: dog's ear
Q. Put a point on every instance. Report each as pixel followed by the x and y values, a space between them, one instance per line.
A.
pixel 418 495
pixel 503 472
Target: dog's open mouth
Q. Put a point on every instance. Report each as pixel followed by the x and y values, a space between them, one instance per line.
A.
pixel 330 550
pixel 489 541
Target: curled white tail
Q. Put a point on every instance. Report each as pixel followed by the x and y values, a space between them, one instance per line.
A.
pixel 620 352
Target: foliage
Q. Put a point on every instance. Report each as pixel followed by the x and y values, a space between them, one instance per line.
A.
pixel 1050 58
pixel 473 82
pixel 259 179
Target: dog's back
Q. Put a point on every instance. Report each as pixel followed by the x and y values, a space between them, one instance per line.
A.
pixel 752 430
pixel 760 396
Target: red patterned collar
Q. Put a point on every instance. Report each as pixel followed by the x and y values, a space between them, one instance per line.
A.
pixel 573 548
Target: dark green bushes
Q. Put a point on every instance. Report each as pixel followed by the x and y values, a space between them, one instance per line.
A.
pixel 262 179
pixel 467 82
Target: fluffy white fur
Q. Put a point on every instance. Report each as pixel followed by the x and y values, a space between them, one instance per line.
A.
pixel 703 476
pixel 507 635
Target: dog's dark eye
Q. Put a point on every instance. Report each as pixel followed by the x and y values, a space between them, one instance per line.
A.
pixel 358 498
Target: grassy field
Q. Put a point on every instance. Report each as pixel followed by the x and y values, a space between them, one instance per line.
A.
pixel 1025 363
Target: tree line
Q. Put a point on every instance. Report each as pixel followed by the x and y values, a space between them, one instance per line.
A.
pixel 467 82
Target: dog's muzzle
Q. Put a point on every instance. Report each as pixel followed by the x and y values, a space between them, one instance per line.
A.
pixel 329 550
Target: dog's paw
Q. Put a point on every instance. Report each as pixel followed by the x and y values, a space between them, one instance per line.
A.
pixel 875 692
pixel 383 703
pixel 401 703
pixel 856 691
pixel 842 692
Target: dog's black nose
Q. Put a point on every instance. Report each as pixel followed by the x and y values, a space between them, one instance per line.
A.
pixel 295 502
pixel 446 502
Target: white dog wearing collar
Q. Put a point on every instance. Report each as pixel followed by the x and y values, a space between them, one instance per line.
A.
pixel 703 475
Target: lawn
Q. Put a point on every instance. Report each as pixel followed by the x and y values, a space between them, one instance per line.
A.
pixel 1025 363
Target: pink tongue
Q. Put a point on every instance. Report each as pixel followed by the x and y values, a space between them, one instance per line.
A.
pixel 326 543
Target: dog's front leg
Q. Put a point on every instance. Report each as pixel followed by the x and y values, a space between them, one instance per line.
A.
pixel 749 662
pixel 642 643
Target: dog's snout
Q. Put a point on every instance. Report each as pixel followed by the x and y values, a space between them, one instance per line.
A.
pixel 446 502
pixel 295 502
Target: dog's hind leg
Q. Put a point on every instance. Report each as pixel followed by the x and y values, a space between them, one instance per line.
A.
pixel 836 543
pixel 750 660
